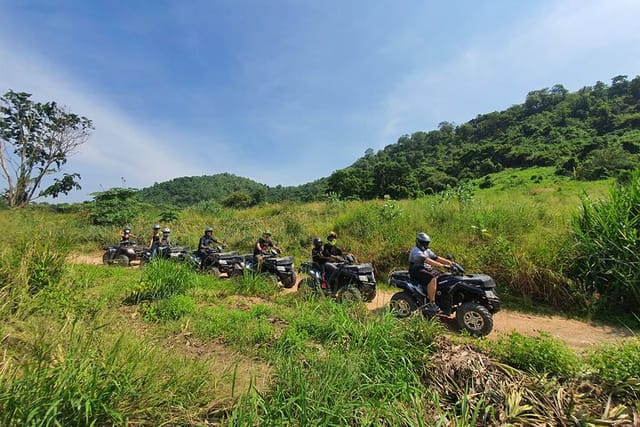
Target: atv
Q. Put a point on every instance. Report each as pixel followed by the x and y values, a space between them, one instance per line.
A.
pixel 280 267
pixel 349 282
pixel 217 262
pixel 124 254
pixel 471 298
pixel 173 253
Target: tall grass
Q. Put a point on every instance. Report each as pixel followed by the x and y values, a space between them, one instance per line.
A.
pixel 72 376
pixel 605 260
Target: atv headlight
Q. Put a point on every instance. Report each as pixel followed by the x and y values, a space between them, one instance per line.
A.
pixel 223 262
pixel 281 268
pixel 363 278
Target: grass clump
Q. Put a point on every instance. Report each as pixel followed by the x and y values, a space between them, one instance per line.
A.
pixel 63 378
pixel 162 279
pixel 618 366
pixel 541 354
pixel 172 308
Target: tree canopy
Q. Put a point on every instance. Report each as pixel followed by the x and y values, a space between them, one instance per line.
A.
pixel 36 140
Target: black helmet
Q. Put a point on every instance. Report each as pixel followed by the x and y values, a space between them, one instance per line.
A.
pixel 317 242
pixel 126 230
pixel 423 240
pixel 206 230
pixel 156 227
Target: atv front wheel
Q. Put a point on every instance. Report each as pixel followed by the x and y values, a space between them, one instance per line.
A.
pixel 402 305
pixel 475 319
pixel 348 294
pixel 289 280
pixel 236 271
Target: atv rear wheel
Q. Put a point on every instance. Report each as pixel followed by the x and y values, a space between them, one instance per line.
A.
pixel 289 280
pixel 307 288
pixel 475 319
pixel 121 259
pixel 106 258
pixel 348 294
pixel 402 305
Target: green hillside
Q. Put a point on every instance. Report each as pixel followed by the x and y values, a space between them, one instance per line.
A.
pixel 589 134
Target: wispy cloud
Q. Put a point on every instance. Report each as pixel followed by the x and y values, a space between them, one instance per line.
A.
pixel 573 43
pixel 120 150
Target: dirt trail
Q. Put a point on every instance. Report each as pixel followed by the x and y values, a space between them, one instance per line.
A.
pixel 577 334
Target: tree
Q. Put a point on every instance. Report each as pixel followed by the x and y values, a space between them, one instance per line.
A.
pixel 35 141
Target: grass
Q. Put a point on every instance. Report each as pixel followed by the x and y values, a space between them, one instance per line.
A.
pixel 162 345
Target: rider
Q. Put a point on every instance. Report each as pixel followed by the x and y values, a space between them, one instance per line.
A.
pixel 423 265
pixel 155 240
pixel 126 236
pixel 330 249
pixel 204 245
pixel 263 245
pixel 164 243
pixel 324 261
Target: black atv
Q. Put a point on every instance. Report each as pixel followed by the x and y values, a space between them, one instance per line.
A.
pixel 470 297
pixel 124 253
pixel 281 267
pixel 171 252
pixel 218 262
pixel 349 282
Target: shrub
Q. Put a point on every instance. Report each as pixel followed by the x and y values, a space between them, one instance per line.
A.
pixel 617 365
pixel 539 354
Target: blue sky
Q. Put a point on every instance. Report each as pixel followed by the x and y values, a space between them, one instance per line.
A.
pixel 287 91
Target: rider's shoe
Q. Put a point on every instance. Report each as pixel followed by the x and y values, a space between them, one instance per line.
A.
pixel 431 309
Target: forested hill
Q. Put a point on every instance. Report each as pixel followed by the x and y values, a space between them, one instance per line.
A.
pixel 224 188
pixel 588 134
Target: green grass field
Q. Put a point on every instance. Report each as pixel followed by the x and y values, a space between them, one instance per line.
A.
pixel 163 345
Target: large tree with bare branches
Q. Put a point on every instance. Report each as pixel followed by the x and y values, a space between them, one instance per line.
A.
pixel 35 141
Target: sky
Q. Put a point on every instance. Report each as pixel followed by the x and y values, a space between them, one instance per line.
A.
pixel 285 92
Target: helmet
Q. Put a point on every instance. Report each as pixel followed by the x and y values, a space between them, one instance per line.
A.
pixel 266 233
pixel 126 230
pixel 423 240
pixel 166 231
pixel 206 230
pixel 332 235
pixel 156 227
pixel 317 242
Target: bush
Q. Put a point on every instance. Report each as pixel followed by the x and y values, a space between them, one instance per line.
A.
pixel 617 365
pixel 540 354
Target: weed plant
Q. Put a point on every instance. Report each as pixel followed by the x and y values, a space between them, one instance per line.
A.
pixel 618 366
pixel 541 354
pixel 161 279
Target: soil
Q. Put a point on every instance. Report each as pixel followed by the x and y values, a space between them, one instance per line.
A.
pixel 578 335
